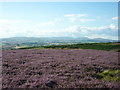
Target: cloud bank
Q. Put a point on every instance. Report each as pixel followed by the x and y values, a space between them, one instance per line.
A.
pixel 58 28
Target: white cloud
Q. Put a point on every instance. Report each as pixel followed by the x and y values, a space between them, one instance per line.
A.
pixel 8 21
pixel 11 28
pixel 115 18
pixel 71 29
pixel 47 23
pixel 87 20
pixel 112 26
pixel 53 22
pixel 104 36
pixel 69 15
pixel 102 28
pixel 75 15
pixel 57 19
pixel 72 19
pixel 106 32
pixel 80 28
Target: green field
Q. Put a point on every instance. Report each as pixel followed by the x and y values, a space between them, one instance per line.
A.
pixel 97 46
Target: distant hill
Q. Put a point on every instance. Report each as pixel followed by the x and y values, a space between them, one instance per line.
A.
pixel 43 41
pixel 57 39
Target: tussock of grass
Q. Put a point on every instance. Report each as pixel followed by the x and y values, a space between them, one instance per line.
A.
pixel 111 75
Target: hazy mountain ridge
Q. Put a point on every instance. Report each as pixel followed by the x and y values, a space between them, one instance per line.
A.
pixel 42 41
pixel 53 38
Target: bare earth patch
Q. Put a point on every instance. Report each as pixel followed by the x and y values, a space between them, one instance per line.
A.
pixel 58 68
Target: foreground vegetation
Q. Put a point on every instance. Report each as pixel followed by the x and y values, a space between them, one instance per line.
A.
pixel 97 46
pixel 60 68
pixel 110 75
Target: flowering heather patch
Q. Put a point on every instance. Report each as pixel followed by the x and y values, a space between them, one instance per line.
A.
pixel 58 68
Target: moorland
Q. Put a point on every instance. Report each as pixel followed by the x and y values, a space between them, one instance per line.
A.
pixel 76 65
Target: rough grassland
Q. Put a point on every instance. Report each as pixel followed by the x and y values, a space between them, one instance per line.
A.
pixel 97 46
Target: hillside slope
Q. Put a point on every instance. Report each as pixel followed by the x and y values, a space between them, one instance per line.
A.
pixel 58 68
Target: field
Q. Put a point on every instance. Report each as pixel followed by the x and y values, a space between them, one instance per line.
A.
pixel 96 46
pixel 60 68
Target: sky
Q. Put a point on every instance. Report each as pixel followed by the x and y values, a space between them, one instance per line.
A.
pixel 59 19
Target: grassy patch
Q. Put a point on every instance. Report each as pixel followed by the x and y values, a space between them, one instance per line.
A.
pixel 111 75
pixel 97 46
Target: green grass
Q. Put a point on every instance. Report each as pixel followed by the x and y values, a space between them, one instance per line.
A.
pixel 97 46
pixel 111 75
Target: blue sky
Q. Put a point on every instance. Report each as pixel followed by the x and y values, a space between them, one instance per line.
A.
pixel 59 19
